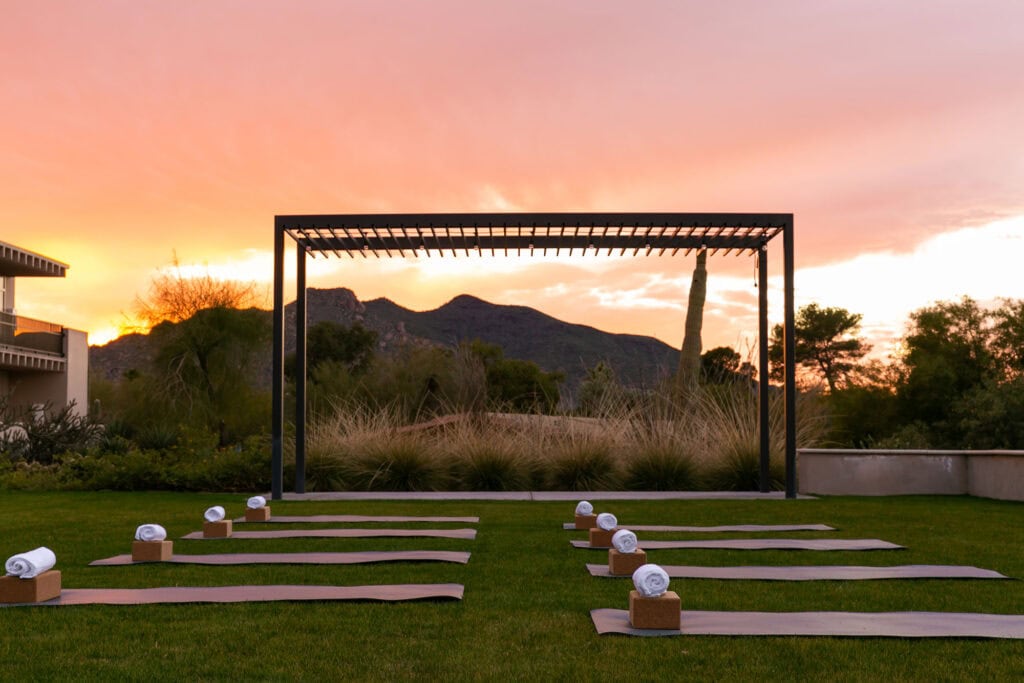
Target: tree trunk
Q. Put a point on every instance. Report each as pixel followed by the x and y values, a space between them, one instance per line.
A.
pixel 689 355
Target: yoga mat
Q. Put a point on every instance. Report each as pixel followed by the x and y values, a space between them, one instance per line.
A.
pixel 763 544
pixel 852 624
pixel 300 558
pixel 467 534
pixel 184 594
pixel 745 528
pixel 823 573
pixel 286 519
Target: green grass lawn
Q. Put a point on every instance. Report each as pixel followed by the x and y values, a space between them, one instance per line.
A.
pixel 525 614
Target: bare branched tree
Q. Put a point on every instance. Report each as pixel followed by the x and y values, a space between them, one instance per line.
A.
pixel 174 296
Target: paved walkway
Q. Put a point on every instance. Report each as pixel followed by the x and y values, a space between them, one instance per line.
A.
pixel 541 495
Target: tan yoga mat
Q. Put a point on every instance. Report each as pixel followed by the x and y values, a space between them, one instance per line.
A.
pixel 743 528
pixel 762 544
pixel 300 558
pixel 815 573
pixel 847 624
pixel 358 519
pixel 189 594
pixel 465 534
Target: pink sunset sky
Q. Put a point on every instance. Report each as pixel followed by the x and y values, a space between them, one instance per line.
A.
pixel 893 131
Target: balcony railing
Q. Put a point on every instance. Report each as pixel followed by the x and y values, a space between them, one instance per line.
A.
pixel 26 333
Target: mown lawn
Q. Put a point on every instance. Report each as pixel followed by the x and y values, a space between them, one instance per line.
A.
pixel 525 614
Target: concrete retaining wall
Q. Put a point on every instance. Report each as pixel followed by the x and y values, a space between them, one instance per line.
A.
pixel 856 472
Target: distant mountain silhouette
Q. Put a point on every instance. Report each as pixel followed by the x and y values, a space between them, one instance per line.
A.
pixel 528 334
pixel 522 332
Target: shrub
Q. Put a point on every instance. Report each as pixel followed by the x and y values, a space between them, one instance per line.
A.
pixel 738 468
pixel 662 468
pixel 40 434
pixel 401 463
pixel 583 462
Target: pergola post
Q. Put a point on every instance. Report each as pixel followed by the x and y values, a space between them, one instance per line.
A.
pixel 764 482
pixel 277 370
pixel 300 369
pixel 790 358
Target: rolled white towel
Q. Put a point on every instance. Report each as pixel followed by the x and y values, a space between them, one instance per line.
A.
pixel 214 514
pixel 256 502
pixel 650 580
pixel 584 508
pixel 31 564
pixel 150 532
pixel 624 541
pixel 607 521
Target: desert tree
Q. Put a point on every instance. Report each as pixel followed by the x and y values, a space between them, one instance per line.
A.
pixel 827 344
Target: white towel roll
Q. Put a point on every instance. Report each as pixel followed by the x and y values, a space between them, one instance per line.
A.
pixel 584 508
pixel 607 521
pixel 214 514
pixel 256 502
pixel 650 580
pixel 31 564
pixel 624 541
pixel 150 532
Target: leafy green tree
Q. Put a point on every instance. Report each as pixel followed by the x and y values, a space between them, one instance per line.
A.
pixel 416 380
pixel 328 341
pixel 826 344
pixel 1008 337
pixel 945 356
pixel 204 366
pixel 720 364
pixel 517 385
pixel 991 415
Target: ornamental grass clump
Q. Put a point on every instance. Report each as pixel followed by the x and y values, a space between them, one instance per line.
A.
pixel 337 441
pixel 403 462
pixel 660 451
pixel 583 458
pixel 488 457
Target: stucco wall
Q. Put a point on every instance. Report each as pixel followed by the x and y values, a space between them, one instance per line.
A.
pixel 58 388
pixel 990 474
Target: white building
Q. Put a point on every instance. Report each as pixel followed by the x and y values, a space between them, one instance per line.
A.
pixel 40 362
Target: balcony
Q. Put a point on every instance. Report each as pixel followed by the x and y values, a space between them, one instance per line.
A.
pixel 27 344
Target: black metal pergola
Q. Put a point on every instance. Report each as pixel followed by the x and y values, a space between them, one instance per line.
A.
pixel 468 234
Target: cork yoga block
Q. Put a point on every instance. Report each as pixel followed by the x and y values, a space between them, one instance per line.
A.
pixel 152 551
pixel 662 612
pixel 599 538
pixel 44 587
pixel 257 514
pixel 624 564
pixel 586 521
pixel 221 529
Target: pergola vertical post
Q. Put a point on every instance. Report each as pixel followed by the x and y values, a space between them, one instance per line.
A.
pixel 790 357
pixel 300 368
pixel 762 367
pixel 277 370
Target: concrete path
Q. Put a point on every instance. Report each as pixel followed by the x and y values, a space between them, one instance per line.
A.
pixel 541 495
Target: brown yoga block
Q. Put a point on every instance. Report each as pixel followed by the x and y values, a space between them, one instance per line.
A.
pixel 624 564
pixel 44 587
pixel 586 521
pixel 221 529
pixel 152 551
pixel 662 612
pixel 257 514
pixel 599 538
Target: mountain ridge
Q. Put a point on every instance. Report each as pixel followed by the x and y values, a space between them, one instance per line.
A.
pixel 522 332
